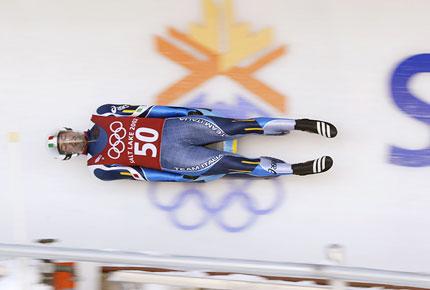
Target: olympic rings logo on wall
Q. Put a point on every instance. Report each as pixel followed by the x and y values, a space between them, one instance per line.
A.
pixel 236 195
pixel 115 140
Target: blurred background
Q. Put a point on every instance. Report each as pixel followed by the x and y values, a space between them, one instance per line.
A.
pixel 362 65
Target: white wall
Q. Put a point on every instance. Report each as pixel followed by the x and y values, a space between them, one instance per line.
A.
pixel 60 59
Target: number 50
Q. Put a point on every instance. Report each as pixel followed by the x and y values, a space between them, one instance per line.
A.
pixel 148 139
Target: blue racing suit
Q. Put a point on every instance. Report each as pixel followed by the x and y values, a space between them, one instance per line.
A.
pixel 185 155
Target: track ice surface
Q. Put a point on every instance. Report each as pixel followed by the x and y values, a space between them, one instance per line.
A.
pixel 58 64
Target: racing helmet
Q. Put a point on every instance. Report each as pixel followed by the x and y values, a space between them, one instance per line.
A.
pixel 53 146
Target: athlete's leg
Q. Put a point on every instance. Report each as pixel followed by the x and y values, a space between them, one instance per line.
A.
pixel 202 130
pixel 273 126
pixel 267 166
pixel 259 167
pixel 192 160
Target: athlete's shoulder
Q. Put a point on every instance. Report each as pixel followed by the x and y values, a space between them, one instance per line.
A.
pixel 150 111
pixel 123 110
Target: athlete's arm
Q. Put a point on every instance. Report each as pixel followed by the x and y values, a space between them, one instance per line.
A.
pixel 145 111
pixel 116 172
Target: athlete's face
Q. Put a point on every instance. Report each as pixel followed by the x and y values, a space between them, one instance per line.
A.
pixel 70 142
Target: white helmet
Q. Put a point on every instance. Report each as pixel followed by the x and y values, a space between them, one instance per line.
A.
pixel 53 146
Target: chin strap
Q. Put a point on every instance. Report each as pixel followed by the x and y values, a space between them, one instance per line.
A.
pixel 69 156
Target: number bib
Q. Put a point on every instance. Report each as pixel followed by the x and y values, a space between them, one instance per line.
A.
pixel 131 141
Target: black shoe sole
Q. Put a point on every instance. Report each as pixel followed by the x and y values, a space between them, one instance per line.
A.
pixel 316 166
pixel 317 127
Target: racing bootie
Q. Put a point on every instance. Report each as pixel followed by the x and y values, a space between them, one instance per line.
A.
pixel 315 126
pixel 319 165
pixel 269 166
pixel 276 126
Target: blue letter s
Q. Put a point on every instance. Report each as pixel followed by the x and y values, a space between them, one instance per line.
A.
pixel 412 106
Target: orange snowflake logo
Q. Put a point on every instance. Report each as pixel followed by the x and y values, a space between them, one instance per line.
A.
pixel 224 45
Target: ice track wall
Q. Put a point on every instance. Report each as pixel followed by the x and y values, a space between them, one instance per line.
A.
pixel 362 65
